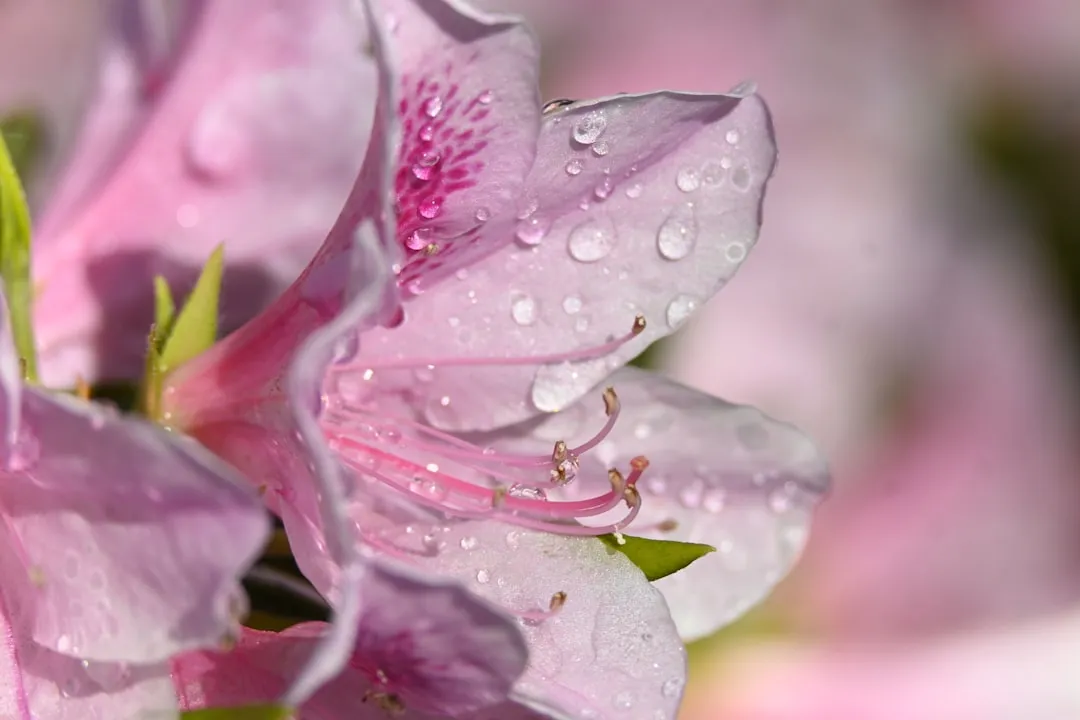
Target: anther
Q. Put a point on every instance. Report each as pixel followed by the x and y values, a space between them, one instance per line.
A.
pixel 431 249
pixel 555 105
pixel 638 326
pixel 498 496
pixel 616 479
pixel 559 453
pixel 631 496
pixel 557 601
pixel 669 525
pixel 611 401
pixel 82 388
pixel 389 702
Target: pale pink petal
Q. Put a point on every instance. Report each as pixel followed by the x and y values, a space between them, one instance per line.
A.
pixel 55 48
pixel 725 475
pixel 653 226
pixel 611 649
pixel 254 140
pixel 38 684
pixel 1024 671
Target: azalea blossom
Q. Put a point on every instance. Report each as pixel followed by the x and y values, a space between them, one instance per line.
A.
pixel 122 547
pixel 428 392
pixel 168 128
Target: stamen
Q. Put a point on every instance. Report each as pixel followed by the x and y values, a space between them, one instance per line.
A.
pixel 389 702
pixel 555 604
pixel 589 353
pixel 557 601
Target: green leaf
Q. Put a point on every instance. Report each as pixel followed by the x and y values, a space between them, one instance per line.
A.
pixel 24 134
pixel 15 261
pixel 195 328
pixel 247 712
pixel 164 311
pixel 657 558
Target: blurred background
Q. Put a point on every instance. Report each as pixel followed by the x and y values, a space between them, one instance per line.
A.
pixel 913 303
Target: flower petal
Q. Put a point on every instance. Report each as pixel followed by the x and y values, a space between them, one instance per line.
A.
pixel 234 148
pixel 725 475
pixel 653 226
pixel 610 648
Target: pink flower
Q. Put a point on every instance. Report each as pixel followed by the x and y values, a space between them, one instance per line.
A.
pixel 121 548
pixel 532 255
pixel 209 123
pixel 438 648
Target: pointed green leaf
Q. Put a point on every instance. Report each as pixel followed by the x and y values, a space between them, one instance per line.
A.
pixel 195 328
pixel 164 311
pixel 657 558
pixel 247 712
pixel 24 134
pixel 15 261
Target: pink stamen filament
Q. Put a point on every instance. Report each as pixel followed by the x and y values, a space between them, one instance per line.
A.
pixel 588 353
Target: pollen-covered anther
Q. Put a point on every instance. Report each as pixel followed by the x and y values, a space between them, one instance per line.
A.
pixel 611 401
pixel 616 479
pixel 389 702
pixel 631 496
pixel 82 388
pixel 638 326
pixel 559 453
pixel 557 601
pixel 431 249
pixel 498 496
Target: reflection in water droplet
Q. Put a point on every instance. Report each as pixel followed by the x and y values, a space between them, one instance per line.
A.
pixel 677 234
pixel 531 231
pixel 688 179
pixel 522 308
pixel 679 309
pixel 433 106
pixel 419 238
pixel 589 127
pixel 590 241
pixel 574 167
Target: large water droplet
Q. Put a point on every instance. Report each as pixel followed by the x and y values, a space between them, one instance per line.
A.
pixel 679 309
pixel 590 241
pixel 574 167
pixel 522 308
pixel 419 238
pixel 433 106
pixel 589 127
pixel 531 231
pixel 688 179
pixel 430 208
pixel 677 234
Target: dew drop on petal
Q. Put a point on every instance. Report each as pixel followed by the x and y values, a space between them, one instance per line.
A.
pixel 513 538
pixel 531 231
pixel 485 97
pixel 590 241
pixel 634 191
pixel 427 133
pixel 732 137
pixel 482 214
pixel 469 542
pixel 740 178
pixel 522 308
pixel 589 127
pixel 677 234
pixel 571 304
pixel 679 309
pixel 430 208
pixel 688 179
pixel 712 173
pixel 483 577
pixel 574 167
pixel 433 106
pixel 601 149
pixel 419 238
pixel 602 190
pixel 735 252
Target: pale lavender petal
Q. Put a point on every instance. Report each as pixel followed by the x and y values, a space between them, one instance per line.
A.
pixel 726 475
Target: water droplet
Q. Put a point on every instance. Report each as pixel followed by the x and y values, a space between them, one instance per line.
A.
pixel 602 190
pixel 732 137
pixel 483 577
pixel 590 241
pixel 624 700
pixel 433 106
pixel 485 97
pixel 427 133
pixel 715 499
pixel 671 688
pixel 527 492
pixel 469 543
pixel 688 179
pixel 634 191
pixel 574 167
pixel 522 308
pixel 735 252
pixel 430 208
pixel 740 178
pixel 571 304
pixel 531 230
pixel 601 149
pixel 482 214
pixel 712 173
pixel 419 238
pixel 677 234
pixel 679 309
pixel 589 127
pixel 425 164
pixel 581 324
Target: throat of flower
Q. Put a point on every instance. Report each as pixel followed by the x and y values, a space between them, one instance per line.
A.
pixel 450 475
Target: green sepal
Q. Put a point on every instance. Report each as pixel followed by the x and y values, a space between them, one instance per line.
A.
pixel 657 558
pixel 164 311
pixel 246 712
pixel 15 262
pixel 195 329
